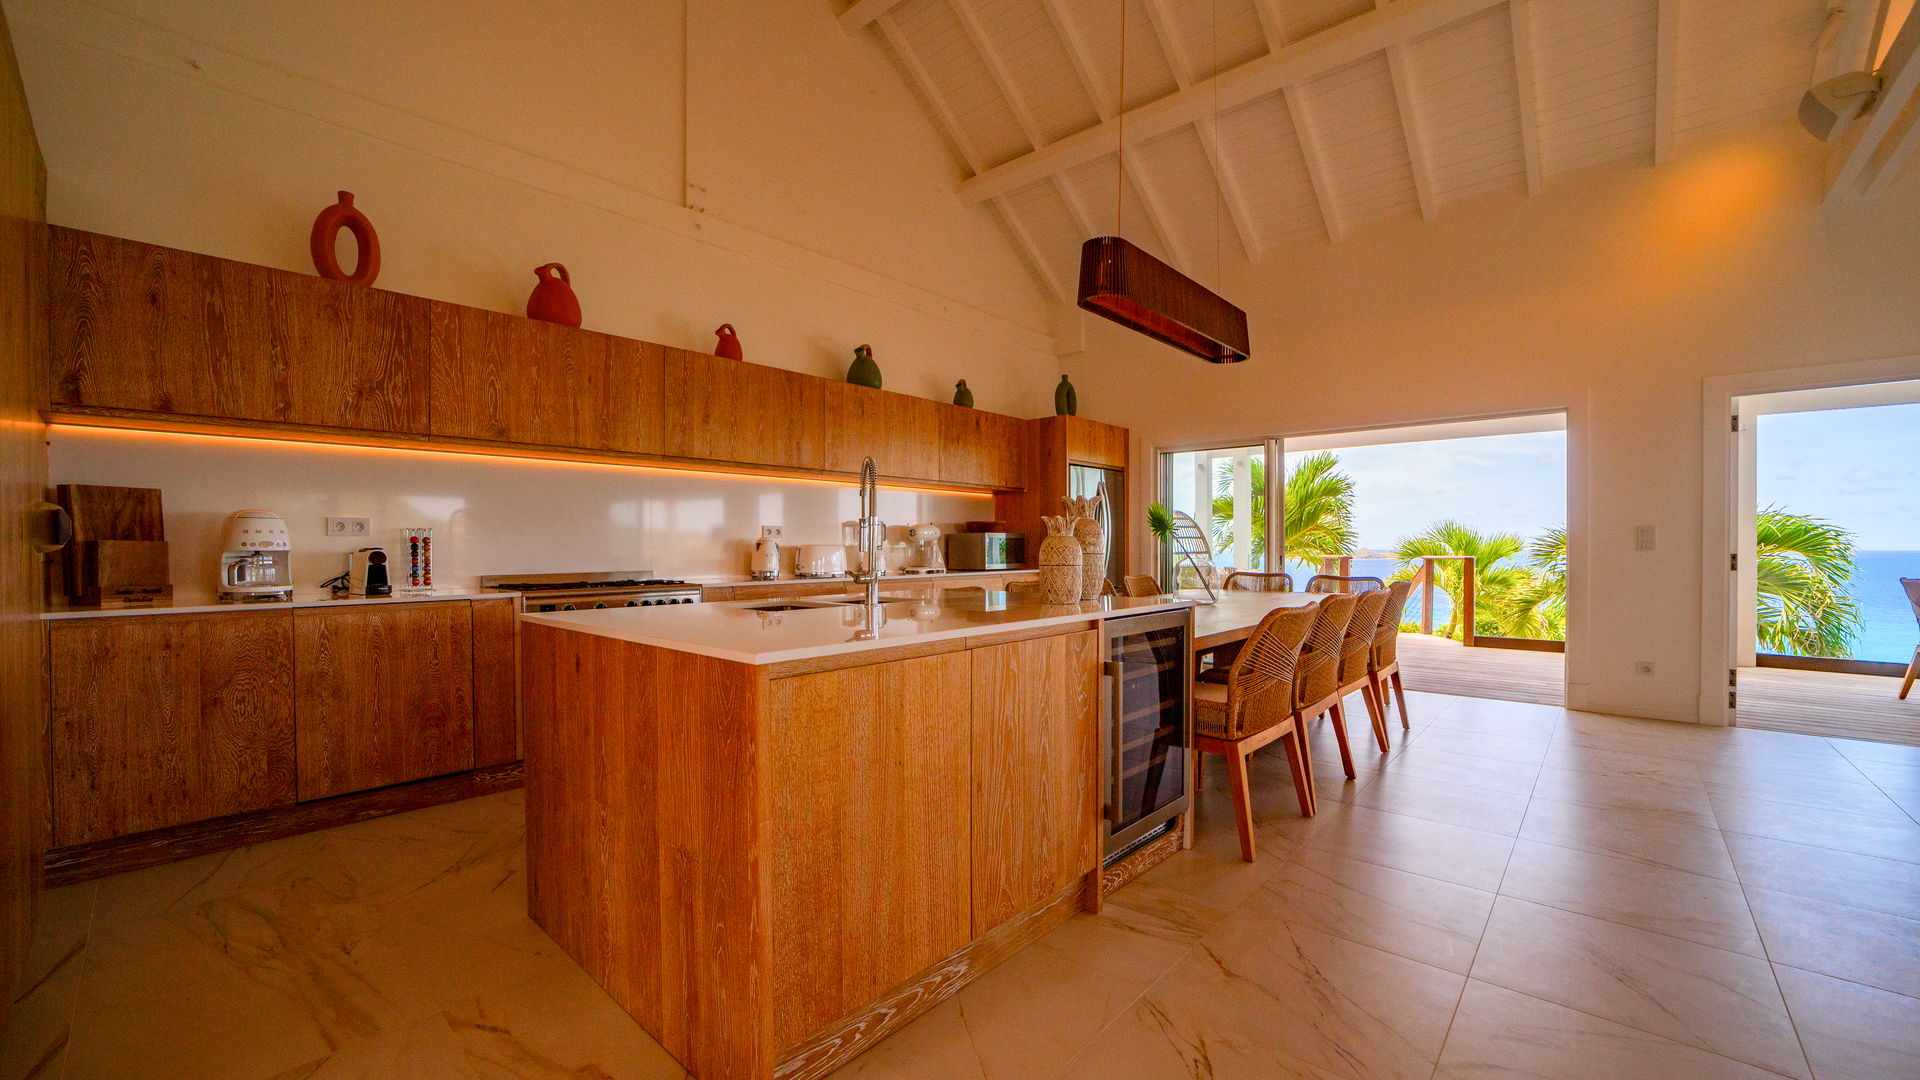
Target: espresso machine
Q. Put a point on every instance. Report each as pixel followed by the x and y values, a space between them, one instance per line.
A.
pixel 256 563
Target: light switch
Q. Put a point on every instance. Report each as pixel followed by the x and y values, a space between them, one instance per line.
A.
pixel 1643 538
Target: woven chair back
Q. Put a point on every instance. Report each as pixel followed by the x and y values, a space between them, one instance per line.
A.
pixel 1260 683
pixel 1356 650
pixel 1334 583
pixel 1250 581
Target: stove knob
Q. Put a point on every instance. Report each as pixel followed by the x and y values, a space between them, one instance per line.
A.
pixel 566 607
pixel 600 604
pixel 633 603
pixel 685 600
pixel 646 603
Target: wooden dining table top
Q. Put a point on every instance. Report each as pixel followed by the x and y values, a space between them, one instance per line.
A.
pixel 1234 615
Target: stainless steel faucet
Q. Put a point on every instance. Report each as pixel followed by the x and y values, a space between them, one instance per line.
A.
pixel 869 524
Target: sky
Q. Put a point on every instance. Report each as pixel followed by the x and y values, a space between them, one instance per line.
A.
pixel 1494 483
pixel 1858 468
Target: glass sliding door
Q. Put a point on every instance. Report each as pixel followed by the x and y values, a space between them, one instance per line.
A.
pixel 1226 491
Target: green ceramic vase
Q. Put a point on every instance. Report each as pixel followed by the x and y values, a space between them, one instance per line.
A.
pixel 962 396
pixel 864 371
pixel 1066 400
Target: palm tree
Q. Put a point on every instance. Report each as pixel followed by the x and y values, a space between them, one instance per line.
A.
pixel 1538 608
pixel 1496 577
pixel 1317 502
pixel 1801 568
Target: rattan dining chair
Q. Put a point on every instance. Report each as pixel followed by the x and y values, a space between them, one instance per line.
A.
pixel 1254 581
pixel 1383 664
pixel 1912 585
pixel 1317 689
pixel 1253 708
pixel 1356 656
pixel 1143 585
pixel 1334 583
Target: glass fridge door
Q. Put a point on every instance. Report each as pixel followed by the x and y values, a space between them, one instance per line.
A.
pixel 1149 667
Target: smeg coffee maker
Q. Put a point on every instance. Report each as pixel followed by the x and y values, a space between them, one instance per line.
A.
pixel 256 560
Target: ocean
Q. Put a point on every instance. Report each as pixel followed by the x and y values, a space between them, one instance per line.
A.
pixel 1887 631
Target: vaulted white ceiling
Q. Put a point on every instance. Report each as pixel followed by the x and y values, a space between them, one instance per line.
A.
pixel 1251 124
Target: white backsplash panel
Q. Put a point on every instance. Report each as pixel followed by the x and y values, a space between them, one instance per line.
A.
pixel 490 515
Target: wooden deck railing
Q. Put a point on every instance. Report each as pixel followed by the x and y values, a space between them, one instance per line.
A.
pixel 1423 580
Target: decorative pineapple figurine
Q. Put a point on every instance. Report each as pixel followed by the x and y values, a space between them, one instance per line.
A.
pixel 1093 542
pixel 1060 562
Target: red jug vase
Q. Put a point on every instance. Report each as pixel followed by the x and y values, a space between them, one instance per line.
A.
pixel 553 300
pixel 728 347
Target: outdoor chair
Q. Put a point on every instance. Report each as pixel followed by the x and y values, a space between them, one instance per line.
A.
pixel 1317 690
pixel 1383 665
pixel 1143 585
pixel 1254 581
pixel 1912 585
pixel 1334 583
pixel 1254 707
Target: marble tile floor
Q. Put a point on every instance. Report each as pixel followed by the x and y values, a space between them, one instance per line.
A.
pixel 1516 890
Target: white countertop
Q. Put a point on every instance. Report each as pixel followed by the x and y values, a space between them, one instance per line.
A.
pixel 198 603
pixel 903 579
pixel 734 631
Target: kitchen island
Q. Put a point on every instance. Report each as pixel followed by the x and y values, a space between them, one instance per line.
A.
pixel 777 832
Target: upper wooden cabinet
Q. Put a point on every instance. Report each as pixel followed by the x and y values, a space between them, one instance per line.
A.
pixel 509 379
pixel 729 410
pixel 981 448
pixel 1090 442
pixel 900 432
pixel 159 720
pixel 156 329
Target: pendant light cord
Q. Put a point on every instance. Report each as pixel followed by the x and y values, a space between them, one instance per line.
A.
pixel 1120 145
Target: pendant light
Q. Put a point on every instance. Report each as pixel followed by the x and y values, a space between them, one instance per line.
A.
pixel 1119 281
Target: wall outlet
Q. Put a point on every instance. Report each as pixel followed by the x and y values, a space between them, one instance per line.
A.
pixel 769 532
pixel 1643 667
pixel 1643 538
pixel 347 526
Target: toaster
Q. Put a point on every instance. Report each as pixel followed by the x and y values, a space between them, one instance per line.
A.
pixel 820 560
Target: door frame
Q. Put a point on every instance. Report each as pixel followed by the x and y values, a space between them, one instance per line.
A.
pixel 1719 517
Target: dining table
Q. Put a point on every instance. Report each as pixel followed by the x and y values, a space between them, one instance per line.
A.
pixel 1233 616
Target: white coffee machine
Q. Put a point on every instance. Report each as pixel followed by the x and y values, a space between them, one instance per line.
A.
pixel 256 560
pixel 924 553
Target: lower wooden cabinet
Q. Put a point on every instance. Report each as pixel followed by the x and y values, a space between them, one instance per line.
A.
pixel 162 720
pixel 383 695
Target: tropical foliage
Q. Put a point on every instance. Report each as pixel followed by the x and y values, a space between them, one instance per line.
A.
pixel 1515 589
pixel 1317 503
pixel 1801 567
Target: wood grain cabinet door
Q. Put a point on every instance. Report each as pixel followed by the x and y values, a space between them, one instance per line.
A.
pixel 162 720
pixel 869 842
pixel 717 409
pixel 508 379
pixel 1035 771
pixel 900 432
pixel 982 448
pixel 383 695
pixel 154 329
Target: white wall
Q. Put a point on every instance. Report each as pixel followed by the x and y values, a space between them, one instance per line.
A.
pixel 1612 294
pixel 490 515
pixel 485 139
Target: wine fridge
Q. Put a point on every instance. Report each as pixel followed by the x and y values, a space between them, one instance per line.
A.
pixel 1146 728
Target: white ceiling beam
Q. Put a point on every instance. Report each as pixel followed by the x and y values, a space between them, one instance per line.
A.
pixel 918 72
pixel 1316 162
pixel 1418 161
pixel 862 12
pixel 1077 53
pixel 1520 21
pixel 1666 79
pixel 1002 78
pixel 1846 39
pixel 1875 146
pixel 1230 191
pixel 1156 214
pixel 1272 27
pixel 1078 212
pixel 1041 268
pixel 1168 37
pixel 1355 39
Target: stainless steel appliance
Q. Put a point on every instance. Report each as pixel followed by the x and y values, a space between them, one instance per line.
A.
pixel 367 573
pixel 765 565
pixel 924 550
pixel 1146 728
pixel 820 561
pixel 611 589
pixel 256 558
pixel 1088 481
pixel 986 551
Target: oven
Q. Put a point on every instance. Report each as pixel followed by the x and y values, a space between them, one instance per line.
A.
pixel 584 592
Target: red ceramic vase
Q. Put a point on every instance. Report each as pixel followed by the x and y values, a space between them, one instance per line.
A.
pixel 728 347
pixel 344 215
pixel 553 300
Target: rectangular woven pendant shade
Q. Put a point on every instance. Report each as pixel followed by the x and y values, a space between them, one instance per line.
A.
pixel 1123 283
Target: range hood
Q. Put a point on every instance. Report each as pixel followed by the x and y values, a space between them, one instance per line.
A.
pixel 1119 281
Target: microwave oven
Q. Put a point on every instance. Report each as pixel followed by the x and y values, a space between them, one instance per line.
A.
pixel 986 551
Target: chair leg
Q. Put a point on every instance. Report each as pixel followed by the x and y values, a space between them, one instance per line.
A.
pixel 1302 779
pixel 1400 692
pixel 1339 714
pixel 1242 798
pixel 1376 714
pixel 1913 670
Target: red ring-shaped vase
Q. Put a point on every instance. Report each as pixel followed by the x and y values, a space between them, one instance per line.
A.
pixel 344 215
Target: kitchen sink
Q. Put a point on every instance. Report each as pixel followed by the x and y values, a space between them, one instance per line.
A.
pixel 862 599
pixel 780 607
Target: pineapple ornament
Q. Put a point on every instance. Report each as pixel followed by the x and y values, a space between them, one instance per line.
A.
pixel 1060 562
pixel 1092 540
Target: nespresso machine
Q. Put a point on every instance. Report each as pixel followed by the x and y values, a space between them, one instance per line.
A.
pixel 256 560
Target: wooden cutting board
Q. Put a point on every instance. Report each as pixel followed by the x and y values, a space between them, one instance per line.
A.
pixel 104 514
pixel 112 513
pixel 120 570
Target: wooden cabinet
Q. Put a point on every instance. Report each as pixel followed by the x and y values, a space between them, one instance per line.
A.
pixel 870 834
pixel 1035 771
pixel 1087 442
pixel 383 694
pixel 900 432
pixel 159 330
pixel 496 683
pixel 727 410
pixel 981 448
pixel 161 720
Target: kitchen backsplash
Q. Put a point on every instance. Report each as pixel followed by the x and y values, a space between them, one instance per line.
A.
pixel 490 515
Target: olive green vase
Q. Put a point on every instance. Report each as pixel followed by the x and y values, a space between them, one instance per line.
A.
pixel 864 372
